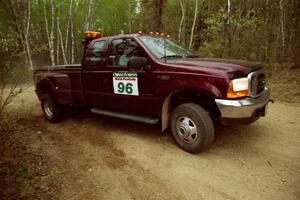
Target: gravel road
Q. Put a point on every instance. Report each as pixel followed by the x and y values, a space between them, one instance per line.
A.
pixel 106 158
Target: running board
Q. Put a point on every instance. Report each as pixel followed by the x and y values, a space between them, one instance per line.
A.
pixel 130 117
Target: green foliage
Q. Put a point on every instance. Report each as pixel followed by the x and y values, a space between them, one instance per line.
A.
pixel 255 30
pixel 13 81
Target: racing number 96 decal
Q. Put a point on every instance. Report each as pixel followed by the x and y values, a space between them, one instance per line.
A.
pixel 125 83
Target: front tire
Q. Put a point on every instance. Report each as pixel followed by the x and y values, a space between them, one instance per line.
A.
pixel 52 111
pixel 192 127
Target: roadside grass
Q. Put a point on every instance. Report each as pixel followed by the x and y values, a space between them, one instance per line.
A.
pixel 284 82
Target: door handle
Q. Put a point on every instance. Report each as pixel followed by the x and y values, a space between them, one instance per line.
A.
pixel 163 77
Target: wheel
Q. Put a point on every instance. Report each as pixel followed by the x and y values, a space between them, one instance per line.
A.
pixel 51 110
pixel 192 127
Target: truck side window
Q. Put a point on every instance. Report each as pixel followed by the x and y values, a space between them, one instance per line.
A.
pixel 97 52
pixel 121 50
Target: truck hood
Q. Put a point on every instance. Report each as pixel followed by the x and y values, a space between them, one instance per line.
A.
pixel 235 68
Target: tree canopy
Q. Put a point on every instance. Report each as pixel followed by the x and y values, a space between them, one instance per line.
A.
pixel 41 32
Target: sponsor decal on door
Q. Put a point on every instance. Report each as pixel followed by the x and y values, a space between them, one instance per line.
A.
pixel 125 83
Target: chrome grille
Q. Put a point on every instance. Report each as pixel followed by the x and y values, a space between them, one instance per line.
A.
pixel 257 83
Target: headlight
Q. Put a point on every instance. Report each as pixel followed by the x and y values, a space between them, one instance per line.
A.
pixel 238 88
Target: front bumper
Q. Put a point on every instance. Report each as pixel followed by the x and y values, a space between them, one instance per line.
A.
pixel 243 111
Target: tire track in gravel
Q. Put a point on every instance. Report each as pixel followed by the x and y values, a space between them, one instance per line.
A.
pixel 94 165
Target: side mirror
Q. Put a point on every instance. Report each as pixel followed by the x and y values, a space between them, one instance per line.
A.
pixel 137 62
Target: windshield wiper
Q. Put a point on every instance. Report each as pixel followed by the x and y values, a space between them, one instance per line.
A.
pixel 172 56
pixel 192 56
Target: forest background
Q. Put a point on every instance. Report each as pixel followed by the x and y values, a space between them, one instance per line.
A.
pixel 40 32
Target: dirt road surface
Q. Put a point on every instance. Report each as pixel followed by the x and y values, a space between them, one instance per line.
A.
pixel 105 158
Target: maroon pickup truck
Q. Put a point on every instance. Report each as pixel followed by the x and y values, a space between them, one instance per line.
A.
pixel 152 79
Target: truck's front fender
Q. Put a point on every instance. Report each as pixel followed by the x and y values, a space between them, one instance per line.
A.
pixel 205 88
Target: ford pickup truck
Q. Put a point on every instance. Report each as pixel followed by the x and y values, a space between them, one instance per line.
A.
pixel 152 79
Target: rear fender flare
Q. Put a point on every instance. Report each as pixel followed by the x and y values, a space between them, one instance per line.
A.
pixel 57 84
pixel 44 86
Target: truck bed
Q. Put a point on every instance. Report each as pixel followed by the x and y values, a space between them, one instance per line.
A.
pixel 58 67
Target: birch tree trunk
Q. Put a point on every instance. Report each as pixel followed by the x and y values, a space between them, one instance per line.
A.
pixel 57 36
pixel 50 37
pixel 60 39
pixel 68 29
pixel 182 4
pixel 228 26
pixel 129 16
pixel 72 43
pixel 46 24
pixel 57 41
pixel 88 16
pixel 194 23
pixel 228 10
pixel 52 33
pixel 91 22
pixel 28 52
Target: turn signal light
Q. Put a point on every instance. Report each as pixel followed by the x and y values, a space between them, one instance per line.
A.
pixel 238 88
pixel 91 35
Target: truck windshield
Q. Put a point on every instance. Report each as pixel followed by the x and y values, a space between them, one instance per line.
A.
pixel 163 48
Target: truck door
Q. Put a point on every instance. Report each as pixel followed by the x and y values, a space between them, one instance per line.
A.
pixel 92 73
pixel 123 90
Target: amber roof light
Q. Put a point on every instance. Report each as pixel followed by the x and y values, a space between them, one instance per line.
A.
pixel 91 35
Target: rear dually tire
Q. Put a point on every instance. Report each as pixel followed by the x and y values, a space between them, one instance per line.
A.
pixel 51 110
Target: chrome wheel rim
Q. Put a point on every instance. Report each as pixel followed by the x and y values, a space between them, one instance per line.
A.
pixel 187 129
pixel 48 108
